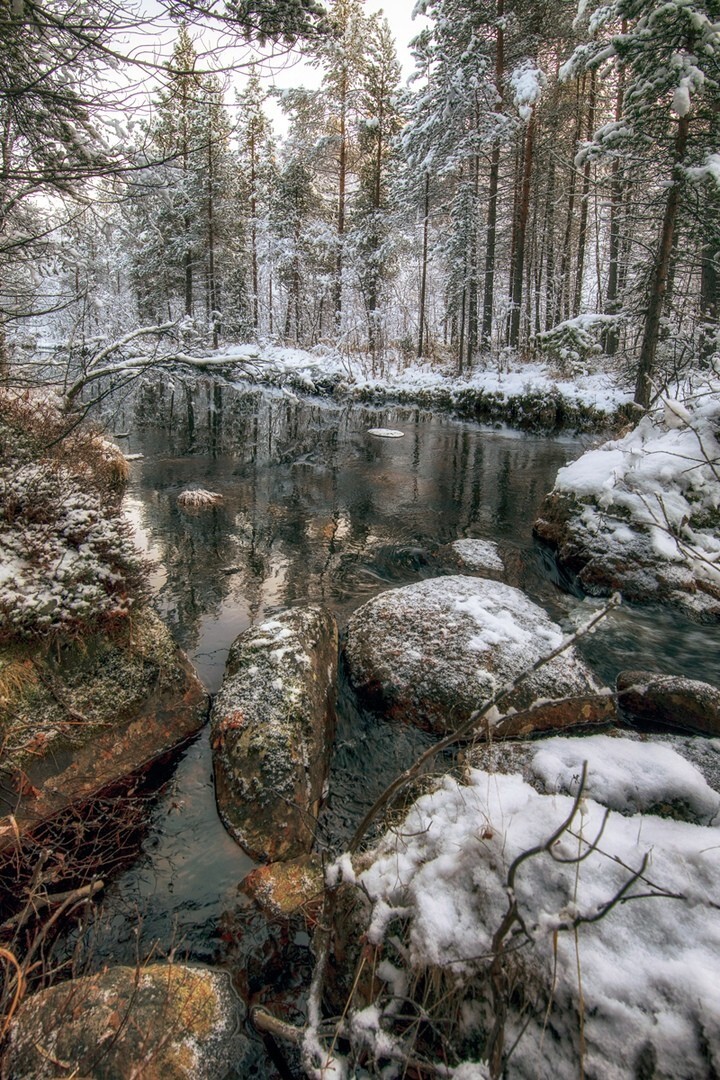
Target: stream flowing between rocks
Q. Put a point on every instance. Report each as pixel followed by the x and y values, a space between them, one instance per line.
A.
pixel 317 510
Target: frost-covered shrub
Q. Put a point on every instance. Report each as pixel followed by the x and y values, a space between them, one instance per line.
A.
pixel 67 559
pixel 33 428
pixel 570 344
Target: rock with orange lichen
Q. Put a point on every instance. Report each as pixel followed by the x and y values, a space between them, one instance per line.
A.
pixel 287 888
pixel 163 1022
pixel 77 719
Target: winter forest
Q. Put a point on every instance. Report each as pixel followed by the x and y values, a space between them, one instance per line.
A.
pixel 544 184
pixel 360 539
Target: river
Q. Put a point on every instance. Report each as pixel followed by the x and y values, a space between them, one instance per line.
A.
pixel 317 510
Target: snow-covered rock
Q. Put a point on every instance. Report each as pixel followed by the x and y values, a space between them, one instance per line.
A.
pixel 433 652
pixel 477 555
pixel 198 499
pixel 583 975
pixel 272 729
pixel 629 775
pixel 641 514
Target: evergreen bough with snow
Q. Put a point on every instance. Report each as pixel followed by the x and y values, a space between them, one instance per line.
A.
pixel 67 560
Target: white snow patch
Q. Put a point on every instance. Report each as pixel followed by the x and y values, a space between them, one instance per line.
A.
pixel 625 775
pixel 649 965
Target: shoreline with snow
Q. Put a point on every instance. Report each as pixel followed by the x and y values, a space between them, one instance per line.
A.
pixel 531 397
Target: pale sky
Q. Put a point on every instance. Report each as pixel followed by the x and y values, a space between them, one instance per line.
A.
pixel 221 52
pixel 398 14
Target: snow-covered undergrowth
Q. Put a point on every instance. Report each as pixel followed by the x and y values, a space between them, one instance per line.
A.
pixel 525 394
pixel 499 934
pixel 67 560
pixel 661 483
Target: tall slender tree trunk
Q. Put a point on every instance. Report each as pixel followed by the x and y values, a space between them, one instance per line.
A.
pixel 472 288
pixel 551 286
pixel 493 182
pixel 709 300
pixel 584 200
pixel 562 308
pixel 342 184
pixel 212 281
pixel 611 337
pixel 522 221
pixel 187 223
pixel 4 358
pixel 659 278
pixel 424 265
pixel 253 230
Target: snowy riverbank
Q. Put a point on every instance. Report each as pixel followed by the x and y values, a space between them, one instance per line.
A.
pixel 529 396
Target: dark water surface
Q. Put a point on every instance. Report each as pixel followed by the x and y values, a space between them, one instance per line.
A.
pixel 316 510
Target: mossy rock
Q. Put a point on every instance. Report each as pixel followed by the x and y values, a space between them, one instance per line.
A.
pixel 273 724
pixel 85 713
pixel 163 1022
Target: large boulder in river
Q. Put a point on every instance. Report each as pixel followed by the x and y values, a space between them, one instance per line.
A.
pixel 272 729
pixel 670 699
pixel 162 1022
pixel 433 652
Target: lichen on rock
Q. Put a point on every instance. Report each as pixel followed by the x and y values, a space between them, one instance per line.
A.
pixel 272 728
pixel 82 715
pixel 162 1022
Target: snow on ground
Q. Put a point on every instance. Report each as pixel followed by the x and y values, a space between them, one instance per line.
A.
pixel 626 775
pixel 308 370
pixel 663 477
pixel 642 977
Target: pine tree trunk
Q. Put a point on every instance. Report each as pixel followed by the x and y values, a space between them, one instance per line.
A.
pixel 584 199
pixel 550 250
pixel 424 266
pixel 472 335
pixel 610 338
pixel 212 284
pixel 342 183
pixel 562 308
pixel 253 231
pixel 522 221
pixel 493 182
pixel 4 358
pixel 659 279
pixel 709 300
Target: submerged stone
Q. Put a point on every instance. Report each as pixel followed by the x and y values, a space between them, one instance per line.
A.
pixel 162 1022
pixel 272 729
pixel 433 652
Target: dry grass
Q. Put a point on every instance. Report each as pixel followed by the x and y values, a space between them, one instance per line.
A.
pixel 32 427
pixel 16 677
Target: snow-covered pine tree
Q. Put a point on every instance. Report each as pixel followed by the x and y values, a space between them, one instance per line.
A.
pixel 341 55
pixel 380 122
pixel 667 126
pixel 256 159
